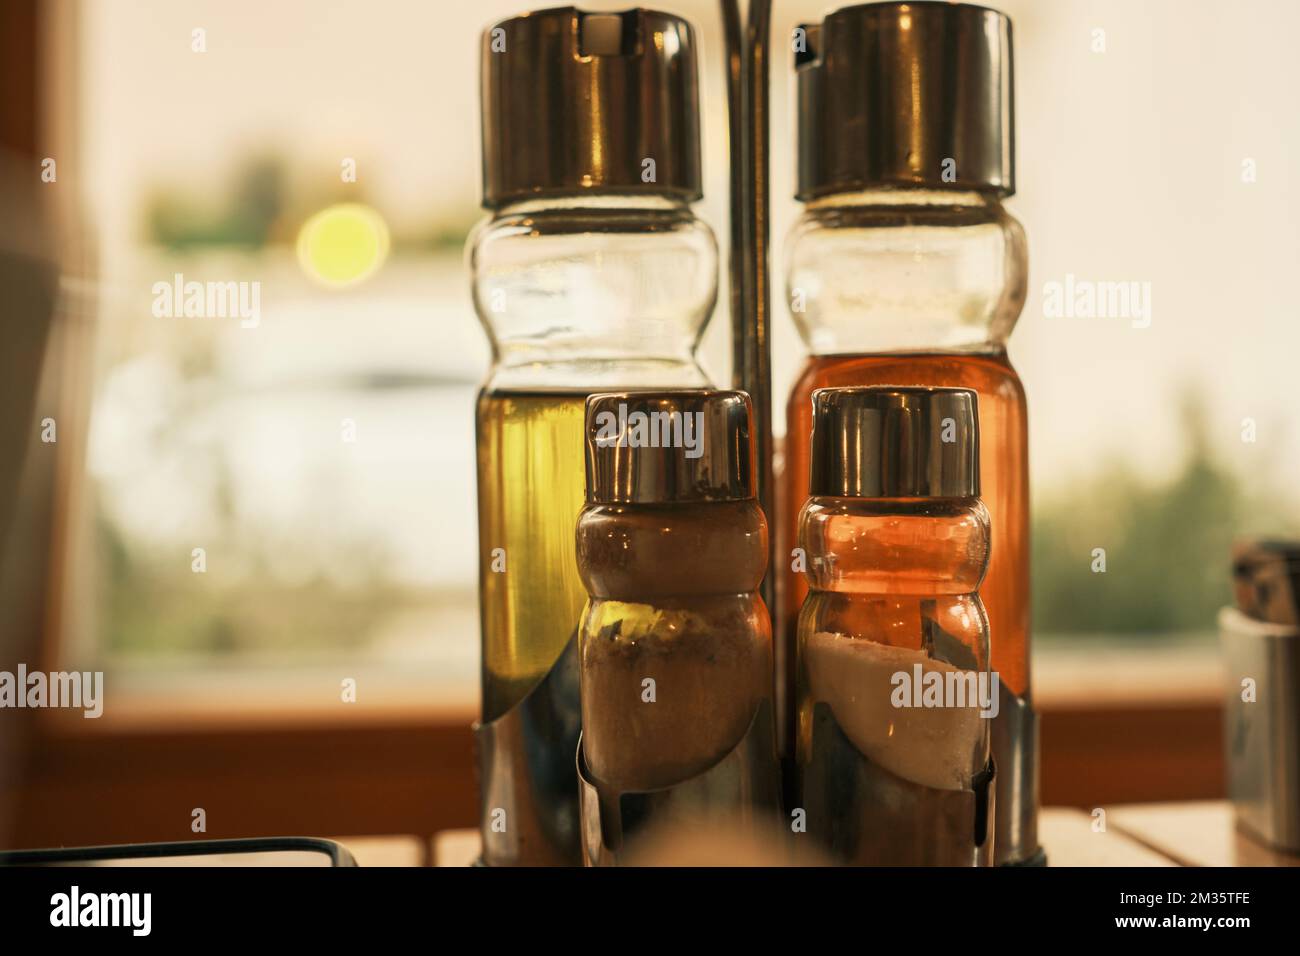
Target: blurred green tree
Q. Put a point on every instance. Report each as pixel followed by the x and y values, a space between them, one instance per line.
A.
pixel 179 220
pixel 1167 566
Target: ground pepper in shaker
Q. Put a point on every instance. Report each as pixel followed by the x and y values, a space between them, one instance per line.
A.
pixel 675 646
pixel 893 636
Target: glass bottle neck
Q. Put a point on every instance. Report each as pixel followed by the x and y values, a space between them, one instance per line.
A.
pixel 594 291
pixel 906 270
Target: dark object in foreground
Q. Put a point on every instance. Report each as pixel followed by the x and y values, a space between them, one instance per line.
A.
pixel 266 851
pixel 1261 649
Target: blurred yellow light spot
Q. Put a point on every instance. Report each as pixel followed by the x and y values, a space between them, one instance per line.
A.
pixel 343 244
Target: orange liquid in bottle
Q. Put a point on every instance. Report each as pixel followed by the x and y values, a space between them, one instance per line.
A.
pixel 1004 479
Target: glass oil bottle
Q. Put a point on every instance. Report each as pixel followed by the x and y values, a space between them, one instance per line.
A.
pixel 894 691
pixel 906 269
pixel 675 647
pixel 591 273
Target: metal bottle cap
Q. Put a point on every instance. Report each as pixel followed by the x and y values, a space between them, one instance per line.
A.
pixel 887 442
pixel 683 445
pixel 576 102
pixel 900 94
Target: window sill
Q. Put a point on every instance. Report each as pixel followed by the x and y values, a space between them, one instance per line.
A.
pixel 1093 674
pixel 167 701
pixel 268 753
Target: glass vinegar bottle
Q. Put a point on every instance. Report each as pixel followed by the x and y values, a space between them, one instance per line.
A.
pixel 905 269
pixel 921 287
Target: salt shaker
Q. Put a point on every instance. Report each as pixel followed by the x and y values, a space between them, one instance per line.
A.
pixel 894 687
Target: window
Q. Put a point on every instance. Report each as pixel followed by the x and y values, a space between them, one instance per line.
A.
pixel 280 471
pixel 271 360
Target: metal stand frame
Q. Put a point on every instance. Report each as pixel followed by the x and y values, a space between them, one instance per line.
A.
pixel 528 791
pixel 866 816
pixel 739 790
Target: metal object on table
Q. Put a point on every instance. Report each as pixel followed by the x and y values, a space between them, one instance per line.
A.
pixel 1262 725
pixel 528 791
pixel 255 851
pixel 866 816
pixel 1015 753
pixel 1266 580
pixel 741 789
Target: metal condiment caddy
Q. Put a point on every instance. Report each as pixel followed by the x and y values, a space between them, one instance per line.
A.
pixel 626 83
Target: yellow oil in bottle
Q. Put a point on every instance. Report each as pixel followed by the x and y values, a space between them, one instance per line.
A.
pixel 531 483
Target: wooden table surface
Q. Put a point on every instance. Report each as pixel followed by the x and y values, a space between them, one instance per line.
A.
pixel 1196 834
pixel 1152 834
